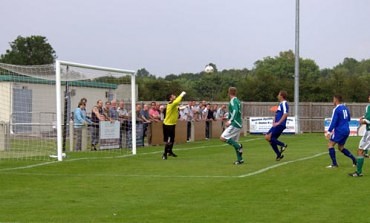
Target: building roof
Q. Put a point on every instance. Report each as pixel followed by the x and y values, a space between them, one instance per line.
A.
pixel 26 79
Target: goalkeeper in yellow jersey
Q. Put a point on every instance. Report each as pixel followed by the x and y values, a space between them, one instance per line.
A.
pixel 169 123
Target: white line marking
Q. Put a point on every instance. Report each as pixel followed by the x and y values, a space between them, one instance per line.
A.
pixel 163 176
pixel 170 176
pixel 114 157
pixel 29 166
pixel 281 164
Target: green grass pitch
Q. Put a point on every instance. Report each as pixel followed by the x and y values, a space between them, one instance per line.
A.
pixel 200 185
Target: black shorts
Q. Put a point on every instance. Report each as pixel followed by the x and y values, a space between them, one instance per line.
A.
pixel 169 133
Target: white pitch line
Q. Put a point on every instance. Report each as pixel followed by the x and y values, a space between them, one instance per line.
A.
pixel 29 166
pixel 173 176
pixel 168 176
pixel 156 152
pixel 281 164
pixel 185 149
pixel 114 157
pixel 121 175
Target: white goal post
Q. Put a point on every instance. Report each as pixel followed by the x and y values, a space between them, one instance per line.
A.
pixel 37 119
pixel 58 78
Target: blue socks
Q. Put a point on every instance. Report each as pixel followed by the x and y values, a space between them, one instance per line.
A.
pixel 275 148
pixel 332 156
pixel 276 142
pixel 349 154
pixel 345 151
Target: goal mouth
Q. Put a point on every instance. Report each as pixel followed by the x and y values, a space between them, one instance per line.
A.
pixel 38 103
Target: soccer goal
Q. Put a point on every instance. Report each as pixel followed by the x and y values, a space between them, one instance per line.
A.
pixel 37 104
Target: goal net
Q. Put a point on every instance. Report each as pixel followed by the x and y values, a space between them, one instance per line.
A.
pixel 42 107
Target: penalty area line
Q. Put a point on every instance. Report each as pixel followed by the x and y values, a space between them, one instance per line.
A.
pixel 281 164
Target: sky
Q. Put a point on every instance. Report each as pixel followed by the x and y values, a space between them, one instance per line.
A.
pixel 183 36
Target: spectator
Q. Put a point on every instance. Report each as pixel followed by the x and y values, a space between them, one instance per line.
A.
pixel 196 112
pixel 84 100
pixel 209 119
pixel 80 120
pixel 122 116
pixel 202 107
pixel 96 116
pixel 221 114
pixel 113 113
pixel 145 113
pixel 122 111
pixel 214 111
pixel 188 116
pixel 106 111
pixel 204 111
pixel 146 119
pixel 154 112
pixel 162 111
pixel 182 114
pixel 138 113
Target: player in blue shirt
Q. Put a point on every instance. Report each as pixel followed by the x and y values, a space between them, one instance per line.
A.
pixel 338 131
pixel 278 126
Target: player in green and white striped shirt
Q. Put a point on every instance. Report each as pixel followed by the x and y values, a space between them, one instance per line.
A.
pixel 234 125
pixel 364 143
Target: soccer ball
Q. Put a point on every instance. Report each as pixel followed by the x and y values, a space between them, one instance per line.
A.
pixel 208 69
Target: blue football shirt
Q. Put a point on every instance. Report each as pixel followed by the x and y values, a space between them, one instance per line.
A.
pixel 283 108
pixel 340 120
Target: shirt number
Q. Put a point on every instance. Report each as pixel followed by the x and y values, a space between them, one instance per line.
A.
pixel 345 114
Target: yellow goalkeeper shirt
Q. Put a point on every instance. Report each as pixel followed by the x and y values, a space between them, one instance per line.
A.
pixel 172 112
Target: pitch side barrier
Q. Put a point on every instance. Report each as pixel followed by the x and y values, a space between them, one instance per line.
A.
pixel 197 131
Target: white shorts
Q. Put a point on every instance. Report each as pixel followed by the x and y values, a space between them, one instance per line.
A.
pixel 365 141
pixel 231 132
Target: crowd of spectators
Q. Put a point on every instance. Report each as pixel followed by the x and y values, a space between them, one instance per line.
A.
pixel 146 113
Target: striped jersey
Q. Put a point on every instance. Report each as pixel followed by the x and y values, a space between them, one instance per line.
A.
pixel 235 114
pixel 367 116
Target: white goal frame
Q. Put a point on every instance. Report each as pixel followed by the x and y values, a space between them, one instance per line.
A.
pixel 58 89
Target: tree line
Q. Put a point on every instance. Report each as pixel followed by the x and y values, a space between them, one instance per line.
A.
pixel 350 78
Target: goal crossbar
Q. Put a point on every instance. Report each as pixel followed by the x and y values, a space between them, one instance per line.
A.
pixel 58 79
pixel 109 69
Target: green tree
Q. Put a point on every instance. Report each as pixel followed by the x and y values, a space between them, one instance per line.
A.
pixel 158 89
pixel 271 75
pixel 281 66
pixel 143 73
pixel 351 79
pixel 208 87
pixel 33 50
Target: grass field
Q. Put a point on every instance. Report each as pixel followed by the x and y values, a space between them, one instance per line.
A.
pixel 201 185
